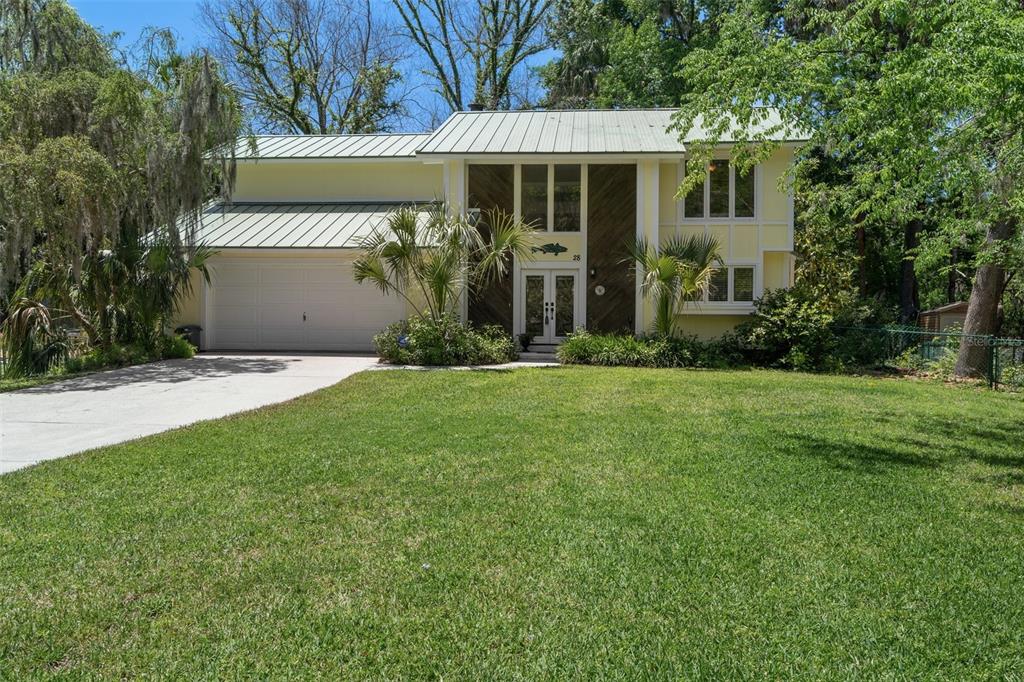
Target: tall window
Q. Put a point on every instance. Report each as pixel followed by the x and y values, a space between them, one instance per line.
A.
pixel 718 184
pixel 725 193
pixel 535 196
pixel 567 198
pixel 744 194
pixel 693 206
pixel 552 194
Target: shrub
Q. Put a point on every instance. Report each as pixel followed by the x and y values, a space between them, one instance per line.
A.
pixel 444 342
pixel 616 350
pixel 795 330
pixel 173 346
pixel 118 355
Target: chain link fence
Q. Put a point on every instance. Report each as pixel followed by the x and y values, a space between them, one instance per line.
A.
pixel 1005 357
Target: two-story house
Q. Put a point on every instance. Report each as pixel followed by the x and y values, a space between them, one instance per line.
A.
pixel 590 181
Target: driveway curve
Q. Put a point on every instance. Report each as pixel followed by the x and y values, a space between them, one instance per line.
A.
pixel 59 419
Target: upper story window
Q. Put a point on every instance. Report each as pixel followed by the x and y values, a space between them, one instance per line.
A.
pixel 731 284
pixel 725 193
pixel 535 196
pixel 550 196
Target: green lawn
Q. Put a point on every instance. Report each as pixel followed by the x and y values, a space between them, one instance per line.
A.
pixel 572 522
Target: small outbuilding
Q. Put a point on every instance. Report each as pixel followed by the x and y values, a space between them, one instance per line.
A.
pixel 941 319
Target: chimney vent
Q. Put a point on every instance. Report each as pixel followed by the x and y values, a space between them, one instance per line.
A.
pixel 475 106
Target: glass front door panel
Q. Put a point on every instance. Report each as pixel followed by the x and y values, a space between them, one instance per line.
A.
pixel 534 300
pixel 565 298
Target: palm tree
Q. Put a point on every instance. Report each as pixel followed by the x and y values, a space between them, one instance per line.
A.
pixel 429 257
pixel 679 270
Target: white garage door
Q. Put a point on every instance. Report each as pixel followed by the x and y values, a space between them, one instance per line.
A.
pixel 297 304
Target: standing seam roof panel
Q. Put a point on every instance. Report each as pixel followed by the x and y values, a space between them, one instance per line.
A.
pixel 253 234
pixel 500 139
pixel 293 238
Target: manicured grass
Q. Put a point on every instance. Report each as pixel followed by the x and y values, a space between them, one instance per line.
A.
pixel 570 522
pixel 18 383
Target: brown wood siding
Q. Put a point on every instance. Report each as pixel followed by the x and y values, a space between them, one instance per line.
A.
pixel 492 186
pixel 611 227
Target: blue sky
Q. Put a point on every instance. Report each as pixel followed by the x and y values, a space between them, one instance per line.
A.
pixel 131 17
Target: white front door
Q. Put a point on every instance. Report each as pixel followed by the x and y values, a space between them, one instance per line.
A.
pixel 548 307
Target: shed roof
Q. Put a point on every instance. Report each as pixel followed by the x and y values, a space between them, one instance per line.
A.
pixel 294 226
pixel 330 146
pixel 593 131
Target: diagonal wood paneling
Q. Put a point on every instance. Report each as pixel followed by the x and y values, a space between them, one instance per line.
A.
pixel 492 186
pixel 611 227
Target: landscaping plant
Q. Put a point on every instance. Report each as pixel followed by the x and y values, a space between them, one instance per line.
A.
pixel 431 257
pixel 674 272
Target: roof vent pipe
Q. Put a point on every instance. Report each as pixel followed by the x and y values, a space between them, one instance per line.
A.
pixel 475 106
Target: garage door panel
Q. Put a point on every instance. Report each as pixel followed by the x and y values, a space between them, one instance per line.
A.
pixel 238 338
pixel 271 275
pixel 259 305
pixel 338 277
pixel 281 315
pixel 237 316
pixel 283 337
pixel 237 275
pixel 285 294
pixel 236 295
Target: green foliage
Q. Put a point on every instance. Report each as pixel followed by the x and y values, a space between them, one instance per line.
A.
pixel 429 257
pixel 168 347
pixel 676 271
pixel 443 341
pixel 915 114
pixel 174 347
pixel 617 350
pixel 30 341
pixel 103 174
pixel 793 329
pixel 616 53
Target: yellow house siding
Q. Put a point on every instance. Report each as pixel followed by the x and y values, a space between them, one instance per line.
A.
pixel 776 270
pixel 349 181
pixel 190 308
pixel 707 327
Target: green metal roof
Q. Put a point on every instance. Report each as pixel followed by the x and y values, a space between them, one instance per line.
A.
pixel 291 225
pixel 329 146
pixel 593 131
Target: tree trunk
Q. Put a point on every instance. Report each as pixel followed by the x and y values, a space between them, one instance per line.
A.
pixel 983 306
pixel 862 271
pixel 909 307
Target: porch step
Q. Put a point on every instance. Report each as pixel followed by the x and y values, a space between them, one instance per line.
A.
pixel 535 356
pixel 539 352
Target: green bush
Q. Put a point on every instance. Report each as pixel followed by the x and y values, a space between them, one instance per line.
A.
pixel 444 342
pixel 117 355
pixel 173 346
pixel 1012 377
pixel 615 350
pixel 795 330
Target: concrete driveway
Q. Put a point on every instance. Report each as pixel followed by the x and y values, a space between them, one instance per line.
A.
pixel 56 420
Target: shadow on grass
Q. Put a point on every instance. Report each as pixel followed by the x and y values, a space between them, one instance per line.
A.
pixel 861 457
pixel 931 442
pixel 167 372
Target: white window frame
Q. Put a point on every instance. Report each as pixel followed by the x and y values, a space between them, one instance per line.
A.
pixel 550 219
pixel 730 268
pixel 732 217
